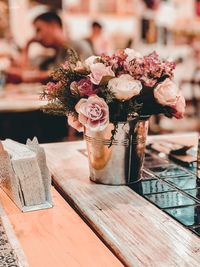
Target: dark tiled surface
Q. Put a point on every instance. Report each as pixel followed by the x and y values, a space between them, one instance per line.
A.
pixel 194 193
pixel 187 215
pixel 166 171
pixel 187 182
pixel 193 168
pixel 172 188
pixel 147 175
pixel 155 186
pixel 170 199
pixel 196 230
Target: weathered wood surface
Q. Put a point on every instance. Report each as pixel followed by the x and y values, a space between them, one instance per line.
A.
pixel 57 237
pixel 139 233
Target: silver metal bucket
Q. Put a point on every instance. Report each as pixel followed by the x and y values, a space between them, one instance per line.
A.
pixel 198 159
pixel 121 162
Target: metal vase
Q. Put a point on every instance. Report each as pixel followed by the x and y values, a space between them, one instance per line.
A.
pixel 119 162
pixel 198 159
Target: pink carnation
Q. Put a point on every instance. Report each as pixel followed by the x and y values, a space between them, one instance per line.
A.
pixel 120 53
pixel 169 67
pixel 135 67
pixel 152 65
pixel 98 71
pixel 93 113
pixel 117 60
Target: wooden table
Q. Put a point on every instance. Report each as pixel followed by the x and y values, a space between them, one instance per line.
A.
pixel 21 116
pixel 21 98
pixel 137 232
pixel 57 237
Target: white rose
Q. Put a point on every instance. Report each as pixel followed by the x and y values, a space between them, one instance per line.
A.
pixel 166 93
pixel 91 60
pixel 98 71
pixel 124 87
pixel 132 54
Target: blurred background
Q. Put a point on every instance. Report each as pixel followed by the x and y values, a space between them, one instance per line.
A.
pixel 32 44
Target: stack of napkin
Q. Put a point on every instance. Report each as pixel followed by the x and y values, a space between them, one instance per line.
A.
pixel 24 175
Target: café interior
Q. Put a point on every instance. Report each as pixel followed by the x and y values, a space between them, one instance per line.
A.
pixel 66 204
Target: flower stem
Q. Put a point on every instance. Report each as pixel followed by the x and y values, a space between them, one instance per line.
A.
pixel 113 132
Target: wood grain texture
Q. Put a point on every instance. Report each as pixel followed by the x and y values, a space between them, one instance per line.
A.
pixel 21 98
pixel 139 233
pixel 57 237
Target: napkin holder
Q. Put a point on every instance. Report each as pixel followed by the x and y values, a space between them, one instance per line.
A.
pixel 24 175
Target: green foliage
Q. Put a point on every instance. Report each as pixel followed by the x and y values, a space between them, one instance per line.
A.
pixel 54 109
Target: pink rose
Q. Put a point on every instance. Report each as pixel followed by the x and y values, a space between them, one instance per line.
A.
pixel 124 87
pixel 84 87
pixel 93 113
pixel 166 93
pixel 179 108
pixel 98 71
pixel 74 122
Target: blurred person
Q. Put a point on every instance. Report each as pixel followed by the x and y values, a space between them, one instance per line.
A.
pixel 3 18
pixel 149 29
pixel 152 4
pixel 98 42
pixel 48 33
pixel 8 48
pixel 196 53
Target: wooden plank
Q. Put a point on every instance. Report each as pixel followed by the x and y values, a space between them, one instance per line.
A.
pixel 139 233
pixel 21 98
pixel 57 237
pixel 190 138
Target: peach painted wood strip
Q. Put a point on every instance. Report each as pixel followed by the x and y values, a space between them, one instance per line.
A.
pixel 139 233
pixel 57 237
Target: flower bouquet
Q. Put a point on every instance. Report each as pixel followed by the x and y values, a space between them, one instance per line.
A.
pixel 107 95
